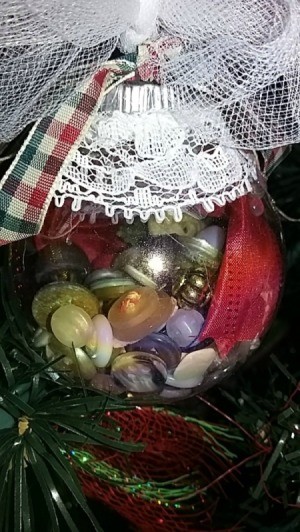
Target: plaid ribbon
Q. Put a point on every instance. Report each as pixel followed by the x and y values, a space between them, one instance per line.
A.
pixel 28 186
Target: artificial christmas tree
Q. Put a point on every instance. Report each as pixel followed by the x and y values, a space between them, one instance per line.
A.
pixel 175 134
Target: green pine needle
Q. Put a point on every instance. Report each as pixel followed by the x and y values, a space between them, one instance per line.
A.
pixel 40 418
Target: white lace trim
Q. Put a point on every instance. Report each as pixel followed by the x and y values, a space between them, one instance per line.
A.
pixel 146 162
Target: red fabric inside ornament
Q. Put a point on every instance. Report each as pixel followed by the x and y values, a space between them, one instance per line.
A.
pixel 249 281
pixel 99 240
pixel 175 450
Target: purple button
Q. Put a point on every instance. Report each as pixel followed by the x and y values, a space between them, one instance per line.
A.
pixel 185 326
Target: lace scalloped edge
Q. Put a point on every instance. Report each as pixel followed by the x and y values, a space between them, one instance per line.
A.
pixel 88 202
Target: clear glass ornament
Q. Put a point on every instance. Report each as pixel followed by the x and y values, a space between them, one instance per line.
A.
pixel 166 310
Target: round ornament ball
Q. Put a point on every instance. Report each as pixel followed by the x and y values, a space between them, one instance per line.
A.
pixel 155 311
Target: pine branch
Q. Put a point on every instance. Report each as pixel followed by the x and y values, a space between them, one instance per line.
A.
pixel 40 417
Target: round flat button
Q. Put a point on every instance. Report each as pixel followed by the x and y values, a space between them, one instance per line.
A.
pixel 71 325
pixel 139 312
pixel 55 295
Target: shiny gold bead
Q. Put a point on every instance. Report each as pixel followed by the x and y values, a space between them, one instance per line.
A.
pixel 182 303
pixel 190 294
pixel 197 281
pixel 192 288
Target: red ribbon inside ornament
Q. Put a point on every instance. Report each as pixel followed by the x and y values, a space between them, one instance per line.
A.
pixel 249 281
pixel 99 240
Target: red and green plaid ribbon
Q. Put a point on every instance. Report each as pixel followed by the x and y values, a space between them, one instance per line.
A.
pixel 28 186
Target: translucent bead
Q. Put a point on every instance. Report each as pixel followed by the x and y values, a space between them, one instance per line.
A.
pixel 86 368
pixel 185 326
pixel 195 364
pixel 214 236
pixel 139 372
pixel 75 362
pixel 100 342
pixel 41 338
pixel 71 325
pixel 257 205
pixel 162 346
